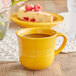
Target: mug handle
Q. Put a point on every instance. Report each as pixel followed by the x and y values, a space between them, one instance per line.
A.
pixel 63 44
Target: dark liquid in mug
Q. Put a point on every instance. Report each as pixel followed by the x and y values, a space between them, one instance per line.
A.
pixel 36 35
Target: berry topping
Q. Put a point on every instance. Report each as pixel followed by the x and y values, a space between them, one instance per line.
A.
pixel 26 18
pixel 37 7
pixel 32 20
pixel 28 7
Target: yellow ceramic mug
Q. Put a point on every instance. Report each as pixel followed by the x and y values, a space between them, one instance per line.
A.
pixel 38 53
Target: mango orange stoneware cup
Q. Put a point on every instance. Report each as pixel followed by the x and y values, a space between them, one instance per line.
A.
pixel 38 53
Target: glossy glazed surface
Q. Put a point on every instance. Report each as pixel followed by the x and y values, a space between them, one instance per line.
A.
pixel 58 19
pixel 38 53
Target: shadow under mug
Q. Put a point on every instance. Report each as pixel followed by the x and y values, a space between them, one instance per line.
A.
pixel 38 53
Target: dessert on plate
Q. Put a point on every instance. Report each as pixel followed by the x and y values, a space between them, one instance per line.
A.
pixel 34 13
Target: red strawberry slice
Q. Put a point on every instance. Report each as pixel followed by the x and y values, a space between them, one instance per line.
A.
pixel 32 20
pixel 26 19
pixel 37 7
pixel 28 7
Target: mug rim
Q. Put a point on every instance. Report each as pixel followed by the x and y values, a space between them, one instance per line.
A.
pixel 17 33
